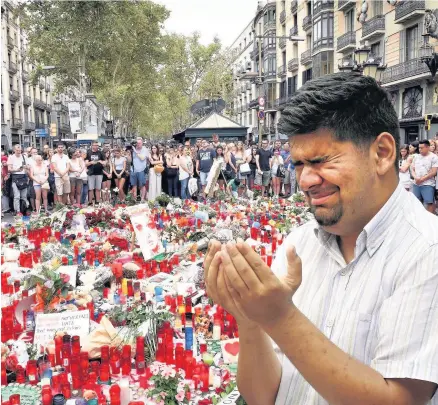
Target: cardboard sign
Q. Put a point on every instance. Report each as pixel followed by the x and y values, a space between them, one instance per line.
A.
pixel 74 323
pixel 147 238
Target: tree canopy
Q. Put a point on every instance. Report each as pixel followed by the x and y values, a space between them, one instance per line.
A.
pixel 148 78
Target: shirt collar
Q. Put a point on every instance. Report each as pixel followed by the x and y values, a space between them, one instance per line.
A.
pixel 377 229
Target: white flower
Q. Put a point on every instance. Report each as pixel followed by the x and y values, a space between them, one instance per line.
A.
pixel 49 284
pixel 116 190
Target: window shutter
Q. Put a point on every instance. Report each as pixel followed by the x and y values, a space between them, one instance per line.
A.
pixel 402 57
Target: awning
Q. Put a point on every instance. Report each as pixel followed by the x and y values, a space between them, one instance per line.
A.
pixel 87 137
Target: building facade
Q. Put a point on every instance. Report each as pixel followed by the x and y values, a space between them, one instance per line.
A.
pixel 328 33
pixel 393 30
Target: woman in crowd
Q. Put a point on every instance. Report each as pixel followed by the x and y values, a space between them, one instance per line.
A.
pixel 53 198
pixel 414 148
pixel 39 174
pixel 172 172
pixel 77 166
pixel 84 178
pixel 241 158
pixel 128 155
pixel 252 166
pixel 433 147
pixel 106 180
pixel 230 159
pixel 275 162
pixel 118 169
pixel 404 167
pixel 155 159
pixel 164 182
pixel 185 171
pixel 220 157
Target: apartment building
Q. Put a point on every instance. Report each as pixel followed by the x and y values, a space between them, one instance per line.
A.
pixel 393 32
pixel 330 32
pixel 244 88
pixel 26 106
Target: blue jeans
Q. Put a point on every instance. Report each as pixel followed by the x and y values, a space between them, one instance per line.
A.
pixel 84 194
pixel 424 193
pixel 184 184
pixel 172 186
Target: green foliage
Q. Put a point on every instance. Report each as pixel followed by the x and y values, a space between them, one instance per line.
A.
pixel 147 79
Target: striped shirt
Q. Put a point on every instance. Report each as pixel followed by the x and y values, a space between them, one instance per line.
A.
pixel 382 308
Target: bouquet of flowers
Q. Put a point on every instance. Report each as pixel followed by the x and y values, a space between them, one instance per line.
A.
pixel 169 387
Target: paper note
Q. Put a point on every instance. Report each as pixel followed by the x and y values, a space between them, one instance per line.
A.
pixel 72 322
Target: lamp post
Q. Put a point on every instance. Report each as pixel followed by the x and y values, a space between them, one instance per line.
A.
pixel 58 108
pixel 366 63
pixel 428 55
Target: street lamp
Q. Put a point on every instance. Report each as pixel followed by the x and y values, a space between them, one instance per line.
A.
pixel 428 55
pixel 366 63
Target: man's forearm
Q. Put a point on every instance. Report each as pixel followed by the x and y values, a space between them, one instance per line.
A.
pixel 334 374
pixel 259 370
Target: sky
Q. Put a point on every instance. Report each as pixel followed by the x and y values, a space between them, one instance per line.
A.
pixel 224 18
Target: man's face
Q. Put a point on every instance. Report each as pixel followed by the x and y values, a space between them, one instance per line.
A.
pixel 139 143
pixel 60 148
pixel 286 147
pixel 336 178
pixel 204 144
pixel 424 149
pixel 46 148
pixel 198 142
pixel 265 144
pixel 215 138
pixel 28 151
pixel 34 151
pixel 17 149
pixel 94 147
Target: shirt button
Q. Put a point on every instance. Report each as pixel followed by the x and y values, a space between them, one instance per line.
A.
pixel 344 272
pixel 330 322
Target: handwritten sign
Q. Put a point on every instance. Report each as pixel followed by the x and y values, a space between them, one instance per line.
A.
pixel 28 395
pixel 74 323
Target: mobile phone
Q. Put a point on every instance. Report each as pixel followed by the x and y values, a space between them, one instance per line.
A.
pixel 128 147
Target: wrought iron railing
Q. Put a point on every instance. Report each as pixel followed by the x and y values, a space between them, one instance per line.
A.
pixel 306 56
pixel 404 70
pixel 376 23
pixel 307 22
pixel 349 38
pixel 403 8
pixel 292 64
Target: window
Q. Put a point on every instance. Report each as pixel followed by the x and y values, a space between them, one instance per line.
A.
pixel 309 8
pixel 375 50
pixel 283 89
pixel 323 31
pixel 244 41
pixel 295 51
pixel 11 83
pixel 309 41
pixel 292 84
pixel 349 21
pixel 377 7
pixel 412 45
pixel 307 75
pixel 250 117
pixel 295 20
pixel 283 55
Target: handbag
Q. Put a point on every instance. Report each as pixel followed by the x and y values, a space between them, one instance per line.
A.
pixel 20 180
pixel 158 169
pixel 245 169
pixel 281 171
pixel 45 186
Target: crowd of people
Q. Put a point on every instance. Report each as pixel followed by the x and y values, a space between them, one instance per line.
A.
pixel 35 180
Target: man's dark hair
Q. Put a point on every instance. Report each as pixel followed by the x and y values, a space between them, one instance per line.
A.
pixel 424 142
pixel 59 144
pixel 237 182
pixel 353 106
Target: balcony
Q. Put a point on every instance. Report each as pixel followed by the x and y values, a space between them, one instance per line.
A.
pixel 373 28
pixel 293 30
pixel 283 17
pixel 407 10
pixel 14 95
pixel 16 123
pixel 294 6
pixel 27 100
pixel 293 64
pixel 270 25
pixel 29 126
pixel 405 70
pixel 346 4
pixel 25 76
pixel 270 46
pixel 281 71
pixel 322 6
pixel 346 42
pixel 307 22
pixel 282 43
pixel 39 104
pixel 42 84
pixel 271 75
pixel 306 57
pixel 11 42
pixel 47 107
pixel 12 67
pixel 47 87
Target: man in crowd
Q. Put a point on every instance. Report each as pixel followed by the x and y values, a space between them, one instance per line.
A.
pixel 204 162
pixel 140 164
pixel 424 171
pixel 351 298
pixel 287 181
pixel 264 154
pixel 18 167
pixel 215 142
pixel 94 161
pixel 61 167
pixel 31 191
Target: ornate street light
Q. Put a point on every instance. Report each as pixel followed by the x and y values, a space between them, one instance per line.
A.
pixel 364 62
pixel 428 55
